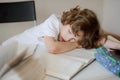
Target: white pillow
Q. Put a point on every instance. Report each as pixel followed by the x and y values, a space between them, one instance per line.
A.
pixel 7 52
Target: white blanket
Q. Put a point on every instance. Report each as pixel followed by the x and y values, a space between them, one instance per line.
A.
pixel 26 40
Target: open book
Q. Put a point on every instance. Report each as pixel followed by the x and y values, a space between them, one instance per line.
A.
pixel 66 65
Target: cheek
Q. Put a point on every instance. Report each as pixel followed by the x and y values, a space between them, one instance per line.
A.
pixel 64 33
pixel 65 36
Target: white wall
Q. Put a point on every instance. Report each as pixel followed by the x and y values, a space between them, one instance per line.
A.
pixel 111 16
pixel 45 8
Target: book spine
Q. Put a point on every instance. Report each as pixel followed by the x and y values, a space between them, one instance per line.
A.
pixel 104 58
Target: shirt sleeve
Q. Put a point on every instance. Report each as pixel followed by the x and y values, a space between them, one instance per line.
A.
pixel 50 27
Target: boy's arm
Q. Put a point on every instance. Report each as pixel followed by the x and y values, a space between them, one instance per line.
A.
pixel 112 44
pixel 59 47
pixel 113 35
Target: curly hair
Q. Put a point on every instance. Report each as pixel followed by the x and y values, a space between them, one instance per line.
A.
pixel 84 20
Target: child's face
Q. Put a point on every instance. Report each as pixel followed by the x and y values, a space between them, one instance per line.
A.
pixel 67 34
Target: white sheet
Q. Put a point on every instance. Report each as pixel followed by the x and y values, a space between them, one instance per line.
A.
pixel 27 39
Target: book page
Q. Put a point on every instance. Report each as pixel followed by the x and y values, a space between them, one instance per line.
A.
pixel 67 64
pixel 61 67
pixel 80 55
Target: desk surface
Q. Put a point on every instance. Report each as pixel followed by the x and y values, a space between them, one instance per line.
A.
pixel 93 72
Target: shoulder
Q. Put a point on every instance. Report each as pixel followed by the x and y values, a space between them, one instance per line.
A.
pixel 50 27
pixel 52 23
pixel 53 18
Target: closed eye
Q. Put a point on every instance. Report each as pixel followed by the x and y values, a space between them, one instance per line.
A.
pixel 72 39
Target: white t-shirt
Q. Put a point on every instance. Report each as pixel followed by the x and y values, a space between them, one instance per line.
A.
pixel 51 27
pixel 35 35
